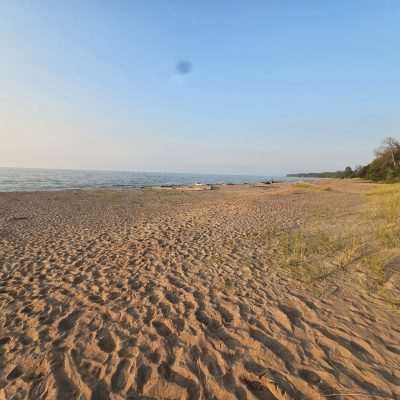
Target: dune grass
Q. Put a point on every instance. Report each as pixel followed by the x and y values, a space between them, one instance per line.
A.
pixel 303 185
pixel 312 253
pixel 312 187
pixel 385 189
pixel 384 214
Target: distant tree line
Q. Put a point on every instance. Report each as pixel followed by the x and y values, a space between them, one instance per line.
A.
pixel 335 174
pixel 385 166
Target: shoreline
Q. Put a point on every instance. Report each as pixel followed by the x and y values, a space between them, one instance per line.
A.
pixel 195 186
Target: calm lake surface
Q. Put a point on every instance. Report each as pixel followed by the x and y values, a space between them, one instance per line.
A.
pixel 24 179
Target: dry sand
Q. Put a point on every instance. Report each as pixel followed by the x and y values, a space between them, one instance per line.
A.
pixel 152 294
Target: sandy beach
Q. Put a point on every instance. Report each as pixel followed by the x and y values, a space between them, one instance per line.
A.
pixel 186 294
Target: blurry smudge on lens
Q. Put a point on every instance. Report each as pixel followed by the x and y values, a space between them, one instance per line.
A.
pixel 183 67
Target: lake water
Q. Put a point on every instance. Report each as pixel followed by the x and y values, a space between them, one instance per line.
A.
pixel 23 179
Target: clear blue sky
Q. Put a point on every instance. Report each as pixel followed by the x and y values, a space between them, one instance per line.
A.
pixel 274 86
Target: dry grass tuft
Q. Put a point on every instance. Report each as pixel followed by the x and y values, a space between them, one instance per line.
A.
pixel 312 187
pixel 303 185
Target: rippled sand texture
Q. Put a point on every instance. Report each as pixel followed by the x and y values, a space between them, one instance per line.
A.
pixel 148 294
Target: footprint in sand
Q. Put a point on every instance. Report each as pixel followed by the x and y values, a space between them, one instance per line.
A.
pixel 106 341
pixel 4 340
pixel 120 377
pixel 142 377
pixel 100 392
pixel 68 322
pixel 171 376
pixel 172 297
pixel 162 329
pixel 15 373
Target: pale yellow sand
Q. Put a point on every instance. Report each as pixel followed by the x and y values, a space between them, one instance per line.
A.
pixel 149 294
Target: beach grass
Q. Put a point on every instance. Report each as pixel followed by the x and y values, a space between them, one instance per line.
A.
pixel 312 187
pixel 311 253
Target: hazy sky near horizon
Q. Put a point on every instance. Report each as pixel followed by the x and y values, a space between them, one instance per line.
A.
pixel 260 87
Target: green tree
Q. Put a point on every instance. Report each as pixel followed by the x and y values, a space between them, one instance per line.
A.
pixel 348 172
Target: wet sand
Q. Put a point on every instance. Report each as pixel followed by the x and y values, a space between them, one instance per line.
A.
pixel 174 294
